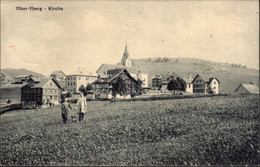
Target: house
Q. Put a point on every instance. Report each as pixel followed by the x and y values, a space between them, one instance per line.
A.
pixel 60 77
pixel 126 64
pixel 102 87
pixel 157 81
pixel 203 83
pixel 189 85
pixel 19 79
pixel 36 93
pixel 161 81
pixel 247 89
pixel 78 78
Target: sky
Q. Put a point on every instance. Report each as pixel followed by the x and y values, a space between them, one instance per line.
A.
pixel 89 33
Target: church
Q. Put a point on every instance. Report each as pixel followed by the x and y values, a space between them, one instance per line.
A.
pixel 126 64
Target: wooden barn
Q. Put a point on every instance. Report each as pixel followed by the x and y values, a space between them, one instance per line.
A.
pixel 35 93
pixel 102 87
pixel 247 89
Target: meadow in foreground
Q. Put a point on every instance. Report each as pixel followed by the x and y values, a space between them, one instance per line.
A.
pixel 204 131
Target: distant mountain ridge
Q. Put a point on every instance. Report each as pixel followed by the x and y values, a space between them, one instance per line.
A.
pixel 230 75
pixel 15 72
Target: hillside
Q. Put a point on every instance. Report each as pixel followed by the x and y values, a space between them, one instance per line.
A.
pixel 11 72
pixel 201 131
pixel 230 76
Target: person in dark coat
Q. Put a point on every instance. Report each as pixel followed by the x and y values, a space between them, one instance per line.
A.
pixel 65 107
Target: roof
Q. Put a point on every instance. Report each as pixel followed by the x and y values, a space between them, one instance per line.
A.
pixel 82 72
pixel 112 66
pixel 35 79
pixel 44 81
pixel 18 76
pixel 210 79
pixel 205 77
pixel 249 87
pixel 168 75
pixel 115 73
pixel 58 73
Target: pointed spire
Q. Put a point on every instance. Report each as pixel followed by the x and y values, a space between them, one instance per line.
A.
pixel 126 46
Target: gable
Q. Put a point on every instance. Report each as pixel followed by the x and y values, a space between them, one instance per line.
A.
pixel 241 89
pixel 198 78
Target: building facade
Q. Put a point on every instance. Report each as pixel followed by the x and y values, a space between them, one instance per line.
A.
pixel 203 84
pixel 189 85
pixel 102 87
pixel 60 77
pixel 80 77
pixel 40 93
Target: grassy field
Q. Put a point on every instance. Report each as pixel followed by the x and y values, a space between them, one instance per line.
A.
pixel 203 131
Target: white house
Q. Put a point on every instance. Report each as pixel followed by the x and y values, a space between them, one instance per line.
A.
pixel 189 85
pixel 78 78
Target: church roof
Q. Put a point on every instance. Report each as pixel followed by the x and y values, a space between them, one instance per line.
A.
pixel 112 66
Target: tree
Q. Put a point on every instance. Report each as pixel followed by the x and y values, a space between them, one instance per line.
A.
pixel 182 83
pixel 173 85
pixel 82 89
pixel 89 89
pixel 177 84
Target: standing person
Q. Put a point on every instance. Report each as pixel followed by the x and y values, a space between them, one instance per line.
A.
pixel 65 107
pixel 81 106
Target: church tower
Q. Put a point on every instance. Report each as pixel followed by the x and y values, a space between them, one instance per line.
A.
pixel 126 58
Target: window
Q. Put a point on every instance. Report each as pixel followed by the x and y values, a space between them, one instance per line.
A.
pixel 50 84
pixel 74 84
pixel 55 97
pixel 215 83
pixel 55 90
pixel 50 97
pixel 68 78
pixel 74 78
pixel 68 84
pixel 214 87
pixel 79 78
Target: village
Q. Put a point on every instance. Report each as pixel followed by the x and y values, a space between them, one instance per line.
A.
pixel 115 81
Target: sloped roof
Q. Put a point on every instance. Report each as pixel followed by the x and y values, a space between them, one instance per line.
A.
pixel 112 66
pixel 249 87
pixel 35 79
pixel 207 78
pixel 44 81
pixel 58 73
pixel 210 79
pixel 82 72
pixel 113 74
pixel 167 76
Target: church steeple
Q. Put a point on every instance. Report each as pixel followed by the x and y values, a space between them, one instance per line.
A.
pixel 126 58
